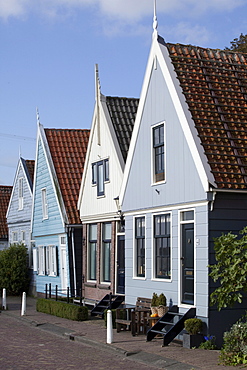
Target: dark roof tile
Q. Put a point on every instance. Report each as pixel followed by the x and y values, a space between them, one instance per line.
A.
pixel 5 193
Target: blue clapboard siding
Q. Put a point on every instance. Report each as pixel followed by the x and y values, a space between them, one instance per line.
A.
pixel 46 232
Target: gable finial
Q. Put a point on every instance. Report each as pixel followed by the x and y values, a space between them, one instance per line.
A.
pixel 37 116
pixel 155 22
pixel 97 97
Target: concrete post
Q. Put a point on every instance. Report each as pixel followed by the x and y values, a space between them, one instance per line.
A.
pixel 109 327
pixel 4 303
pixel 24 304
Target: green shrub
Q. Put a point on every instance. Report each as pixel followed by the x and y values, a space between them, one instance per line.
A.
pixel 154 301
pixel 193 326
pixel 234 349
pixel 209 343
pixel 62 309
pixel 162 300
pixel 14 269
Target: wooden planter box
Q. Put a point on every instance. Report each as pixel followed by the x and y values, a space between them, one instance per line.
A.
pixel 192 340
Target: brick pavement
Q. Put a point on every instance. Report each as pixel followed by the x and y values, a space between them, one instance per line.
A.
pixel 93 333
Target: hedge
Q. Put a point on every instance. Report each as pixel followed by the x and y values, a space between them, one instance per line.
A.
pixel 62 309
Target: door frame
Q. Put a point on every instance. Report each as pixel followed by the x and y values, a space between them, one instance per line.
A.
pixel 180 260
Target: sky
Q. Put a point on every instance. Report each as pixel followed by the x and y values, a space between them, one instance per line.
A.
pixel 49 48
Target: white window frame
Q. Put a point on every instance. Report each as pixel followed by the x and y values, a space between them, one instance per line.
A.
pixel 44 203
pixel 51 260
pixel 23 236
pixel 20 194
pixel 14 236
pixel 135 248
pixel 153 180
pixel 165 212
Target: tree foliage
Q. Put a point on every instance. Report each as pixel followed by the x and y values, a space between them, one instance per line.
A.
pixel 14 269
pixel 230 269
pixel 239 44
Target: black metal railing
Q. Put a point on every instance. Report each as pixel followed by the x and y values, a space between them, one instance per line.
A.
pixel 57 293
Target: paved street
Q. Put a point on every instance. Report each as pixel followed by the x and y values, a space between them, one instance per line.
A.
pixel 24 346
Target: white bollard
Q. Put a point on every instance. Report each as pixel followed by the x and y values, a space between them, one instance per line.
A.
pixel 4 304
pixel 109 327
pixel 24 304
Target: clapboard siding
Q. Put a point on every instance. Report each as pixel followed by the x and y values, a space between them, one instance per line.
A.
pixel 54 222
pixel 183 183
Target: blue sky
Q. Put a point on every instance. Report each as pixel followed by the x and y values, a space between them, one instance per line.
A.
pixel 49 49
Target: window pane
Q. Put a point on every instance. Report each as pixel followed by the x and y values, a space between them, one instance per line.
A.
pixel 162 246
pixel 94 173
pixel 100 178
pixel 106 163
pixel 93 232
pixel 92 261
pixel 107 231
pixel 187 216
pixel 106 261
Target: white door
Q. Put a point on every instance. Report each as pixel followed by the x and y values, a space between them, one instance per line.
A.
pixel 64 277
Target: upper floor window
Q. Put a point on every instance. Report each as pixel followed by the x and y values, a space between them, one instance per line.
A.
pixel 140 246
pixel 158 153
pixel 44 203
pixel 162 249
pixel 100 175
pixel 20 193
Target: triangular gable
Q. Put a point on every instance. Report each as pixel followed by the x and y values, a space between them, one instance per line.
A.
pixel 112 127
pixel 159 54
pixel 27 167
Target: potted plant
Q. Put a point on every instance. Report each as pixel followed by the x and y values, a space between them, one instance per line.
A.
pixel 154 304
pixel 193 337
pixel 162 307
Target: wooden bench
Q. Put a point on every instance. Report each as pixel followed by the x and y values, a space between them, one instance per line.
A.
pixel 134 318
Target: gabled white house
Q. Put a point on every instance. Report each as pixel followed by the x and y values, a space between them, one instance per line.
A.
pixel 103 225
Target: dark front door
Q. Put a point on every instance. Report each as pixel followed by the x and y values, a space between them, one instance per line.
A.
pixel 187 261
pixel 121 264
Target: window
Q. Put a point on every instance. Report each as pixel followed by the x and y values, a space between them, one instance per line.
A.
pixel 106 252
pixel 20 193
pixel 162 246
pixel 45 260
pixel 159 153
pixel 51 260
pixel 140 246
pixel 44 204
pixel 23 237
pixel 92 249
pixel 100 175
pixel 15 237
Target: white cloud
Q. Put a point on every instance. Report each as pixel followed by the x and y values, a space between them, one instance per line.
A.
pixel 126 10
pixel 188 34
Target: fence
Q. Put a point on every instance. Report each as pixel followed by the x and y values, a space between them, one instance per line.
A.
pixel 56 291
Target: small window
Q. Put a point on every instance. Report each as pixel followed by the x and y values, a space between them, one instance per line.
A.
pixel 140 246
pixel 15 237
pixel 51 260
pixel 20 193
pixel 187 216
pixel 100 175
pixel 44 204
pixel 23 237
pixel 159 153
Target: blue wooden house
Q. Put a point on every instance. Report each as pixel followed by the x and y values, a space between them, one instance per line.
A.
pixel 56 226
pixel 185 179
pixel 20 210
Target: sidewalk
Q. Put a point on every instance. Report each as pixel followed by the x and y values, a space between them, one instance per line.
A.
pixel 93 333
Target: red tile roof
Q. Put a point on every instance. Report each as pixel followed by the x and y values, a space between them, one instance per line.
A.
pixel 5 193
pixel 214 83
pixel 68 150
